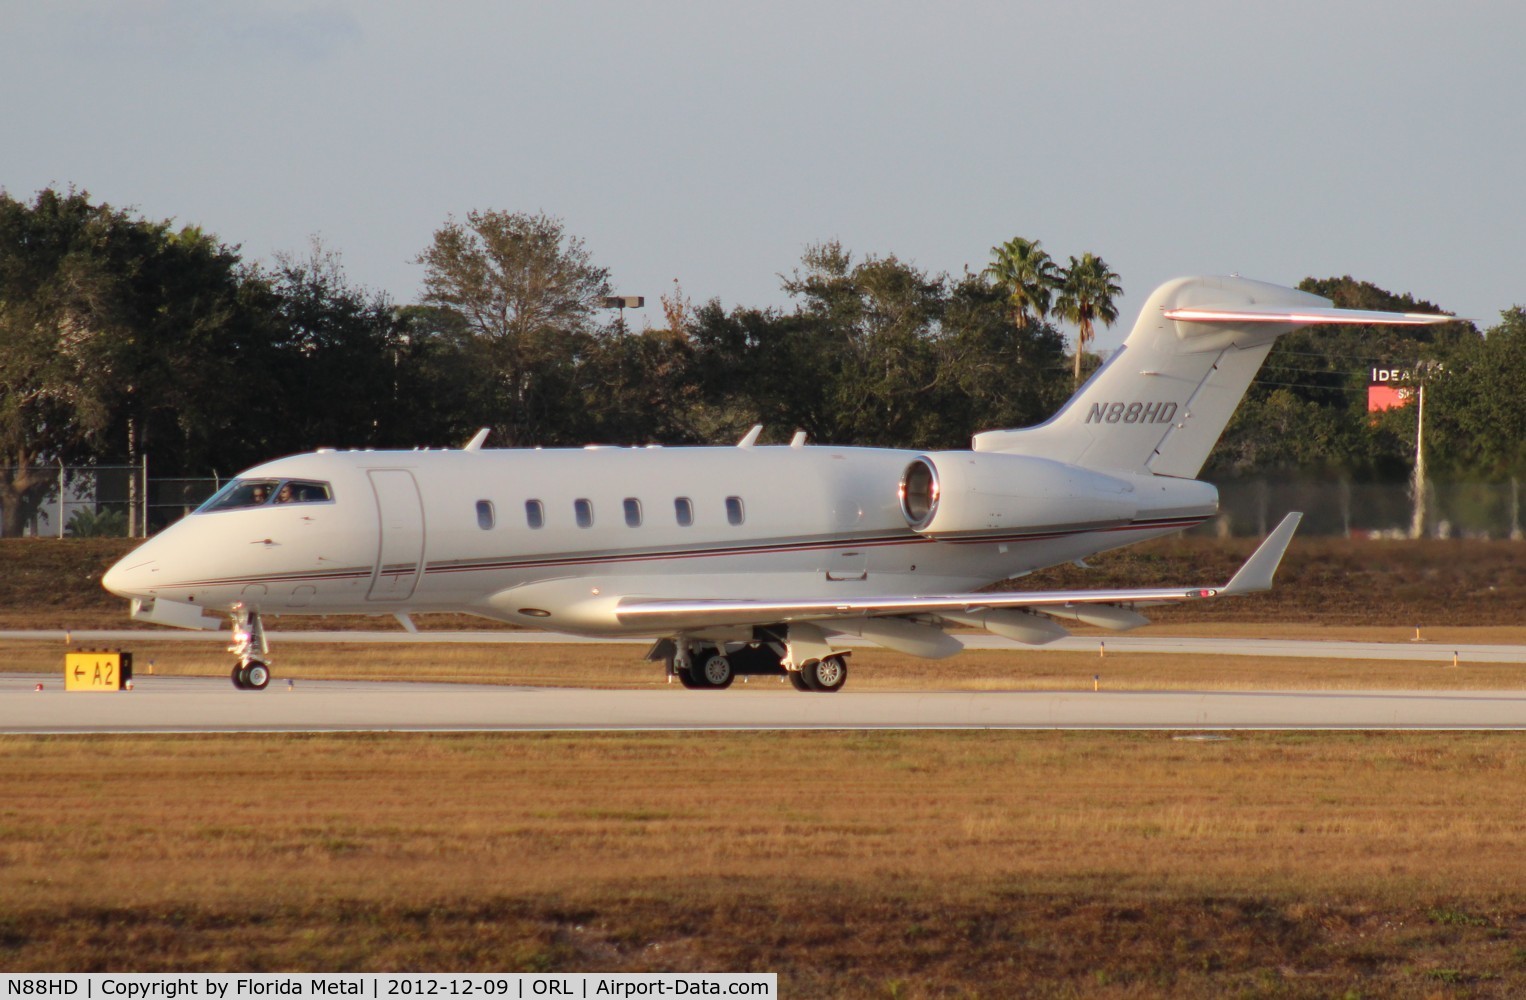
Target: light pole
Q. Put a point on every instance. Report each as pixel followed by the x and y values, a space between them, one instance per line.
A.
pixel 1419 488
pixel 622 303
pixel 1417 522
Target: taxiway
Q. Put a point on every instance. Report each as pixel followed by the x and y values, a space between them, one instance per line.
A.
pixel 200 705
pixel 1421 652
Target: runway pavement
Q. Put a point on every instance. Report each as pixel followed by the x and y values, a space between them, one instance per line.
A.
pixel 1425 652
pixel 198 705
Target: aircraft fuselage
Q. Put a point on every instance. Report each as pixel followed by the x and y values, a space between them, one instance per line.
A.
pixel 553 538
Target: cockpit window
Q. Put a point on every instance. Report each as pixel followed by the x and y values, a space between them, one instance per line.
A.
pixel 241 493
pixel 302 491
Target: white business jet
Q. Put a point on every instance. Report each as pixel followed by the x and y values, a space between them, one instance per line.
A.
pixel 751 559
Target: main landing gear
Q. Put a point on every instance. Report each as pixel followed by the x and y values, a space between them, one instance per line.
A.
pixel 827 675
pixel 251 672
pixel 711 666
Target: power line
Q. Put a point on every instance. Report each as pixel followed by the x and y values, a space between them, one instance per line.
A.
pixel 1306 385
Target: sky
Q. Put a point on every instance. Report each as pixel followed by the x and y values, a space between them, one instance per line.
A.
pixel 713 142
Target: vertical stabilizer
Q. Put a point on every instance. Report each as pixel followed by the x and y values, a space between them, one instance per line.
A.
pixel 1161 401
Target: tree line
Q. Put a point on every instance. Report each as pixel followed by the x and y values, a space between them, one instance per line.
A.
pixel 121 336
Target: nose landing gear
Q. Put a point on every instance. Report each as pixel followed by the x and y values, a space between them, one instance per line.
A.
pixel 251 672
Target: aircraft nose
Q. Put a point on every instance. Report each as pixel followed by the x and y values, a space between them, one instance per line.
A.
pixel 132 576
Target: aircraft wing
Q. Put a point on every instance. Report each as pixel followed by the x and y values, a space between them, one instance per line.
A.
pixel 1101 607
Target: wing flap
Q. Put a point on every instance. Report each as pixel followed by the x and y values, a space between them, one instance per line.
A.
pixel 667 613
pixel 659 612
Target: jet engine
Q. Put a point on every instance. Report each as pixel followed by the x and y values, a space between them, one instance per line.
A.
pixel 965 493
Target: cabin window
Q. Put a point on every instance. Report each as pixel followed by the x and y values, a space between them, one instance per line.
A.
pixel 584 511
pixel 535 514
pixel 485 514
pixel 683 509
pixel 734 512
pixel 633 512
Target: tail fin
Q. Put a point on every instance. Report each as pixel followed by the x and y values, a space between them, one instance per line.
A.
pixel 1161 401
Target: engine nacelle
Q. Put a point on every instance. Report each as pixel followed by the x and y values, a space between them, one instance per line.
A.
pixel 966 492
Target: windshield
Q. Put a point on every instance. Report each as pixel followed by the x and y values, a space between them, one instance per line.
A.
pixel 241 493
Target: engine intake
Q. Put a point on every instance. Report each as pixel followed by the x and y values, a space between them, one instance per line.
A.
pixel 919 493
pixel 965 493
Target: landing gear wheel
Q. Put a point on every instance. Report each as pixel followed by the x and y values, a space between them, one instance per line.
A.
pixel 716 671
pixel 826 675
pixel 797 681
pixel 253 676
pixel 249 672
pixel 831 674
pixel 806 676
pixel 686 678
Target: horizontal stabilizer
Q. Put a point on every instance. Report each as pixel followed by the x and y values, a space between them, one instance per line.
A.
pixel 1304 316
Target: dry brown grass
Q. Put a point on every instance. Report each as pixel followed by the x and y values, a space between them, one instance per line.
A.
pixel 883 864
pixel 860 865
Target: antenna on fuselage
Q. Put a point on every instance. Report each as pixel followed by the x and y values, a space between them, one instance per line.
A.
pixel 475 444
pixel 752 437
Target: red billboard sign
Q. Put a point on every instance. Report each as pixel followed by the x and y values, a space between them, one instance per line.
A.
pixel 1388 388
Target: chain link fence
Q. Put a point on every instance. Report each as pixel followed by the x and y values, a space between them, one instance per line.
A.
pixel 104 501
pixel 1370 510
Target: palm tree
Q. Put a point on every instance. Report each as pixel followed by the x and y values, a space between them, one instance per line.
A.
pixel 1027 273
pixel 1086 295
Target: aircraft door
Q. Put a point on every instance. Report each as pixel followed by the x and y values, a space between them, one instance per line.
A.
pixel 400 535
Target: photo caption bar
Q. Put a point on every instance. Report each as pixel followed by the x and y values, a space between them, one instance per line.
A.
pixel 384 986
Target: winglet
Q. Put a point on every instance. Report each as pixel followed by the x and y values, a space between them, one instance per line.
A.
pixel 1256 575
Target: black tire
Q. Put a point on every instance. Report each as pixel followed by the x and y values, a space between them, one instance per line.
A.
pixel 256 676
pixel 715 672
pixel 830 674
pixel 797 682
pixel 807 675
pixel 238 677
pixel 687 679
